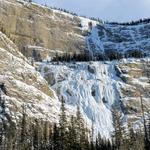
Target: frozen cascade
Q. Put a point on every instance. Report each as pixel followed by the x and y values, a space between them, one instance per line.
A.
pixel 94 86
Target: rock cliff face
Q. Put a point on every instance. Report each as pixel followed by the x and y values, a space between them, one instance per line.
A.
pixel 30 25
pixel 41 31
pixel 24 85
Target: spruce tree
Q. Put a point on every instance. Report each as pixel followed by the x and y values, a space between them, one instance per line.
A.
pixel 56 138
pixel 63 126
pixel 82 137
pixel 36 136
pixel 72 136
pixel 119 132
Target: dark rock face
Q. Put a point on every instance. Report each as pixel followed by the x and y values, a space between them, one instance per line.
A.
pixel 50 78
pixel 91 69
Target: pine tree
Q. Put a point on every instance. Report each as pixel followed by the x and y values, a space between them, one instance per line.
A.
pixel 135 140
pixel 72 136
pixel 36 135
pixel 63 126
pixel 119 132
pixel 82 137
pixel 146 139
pixel 45 135
pixel 56 138
pixel 92 137
pixel 78 127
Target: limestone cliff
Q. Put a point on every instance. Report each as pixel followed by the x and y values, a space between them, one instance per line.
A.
pixel 24 85
pixel 30 25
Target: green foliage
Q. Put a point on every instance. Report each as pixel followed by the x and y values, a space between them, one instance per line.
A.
pixel 69 134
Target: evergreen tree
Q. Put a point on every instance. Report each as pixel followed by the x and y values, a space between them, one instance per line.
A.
pixel 45 135
pixel 92 137
pixel 82 137
pixel 56 138
pixel 36 136
pixel 146 138
pixel 72 136
pixel 63 126
pixel 119 132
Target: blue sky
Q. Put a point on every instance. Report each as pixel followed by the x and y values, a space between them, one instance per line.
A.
pixel 112 10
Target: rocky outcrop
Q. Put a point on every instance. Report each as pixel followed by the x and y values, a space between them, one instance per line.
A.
pixel 41 32
pixel 137 87
pixel 24 85
pixel 46 31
